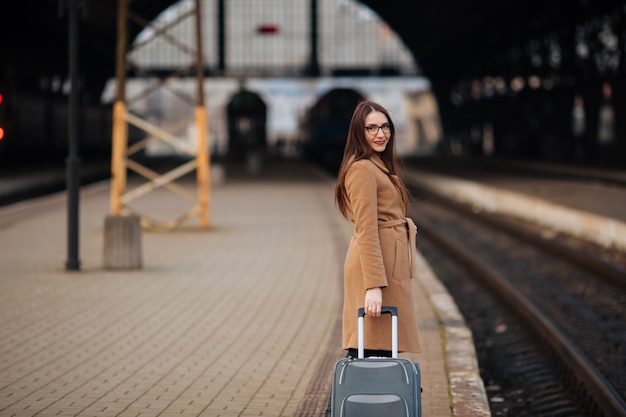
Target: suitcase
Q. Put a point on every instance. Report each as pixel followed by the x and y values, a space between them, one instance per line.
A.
pixel 364 387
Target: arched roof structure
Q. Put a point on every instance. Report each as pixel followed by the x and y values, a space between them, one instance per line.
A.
pixel 449 38
pixel 454 41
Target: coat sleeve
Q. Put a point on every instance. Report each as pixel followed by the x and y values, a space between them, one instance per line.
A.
pixel 363 196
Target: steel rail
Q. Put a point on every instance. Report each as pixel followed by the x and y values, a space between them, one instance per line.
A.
pixel 601 392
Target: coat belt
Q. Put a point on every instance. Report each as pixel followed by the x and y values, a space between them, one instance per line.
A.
pixel 411 230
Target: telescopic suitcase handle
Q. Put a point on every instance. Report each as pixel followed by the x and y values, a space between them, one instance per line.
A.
pixel 394 330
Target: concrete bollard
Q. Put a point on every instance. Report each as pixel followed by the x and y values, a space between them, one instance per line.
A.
pixel 122 242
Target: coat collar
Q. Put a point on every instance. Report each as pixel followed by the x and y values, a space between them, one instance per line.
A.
pixel 375 158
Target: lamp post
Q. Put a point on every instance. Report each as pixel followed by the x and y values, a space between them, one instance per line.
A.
pixel 73 160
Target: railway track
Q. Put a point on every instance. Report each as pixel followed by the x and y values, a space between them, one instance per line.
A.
pixel 548 314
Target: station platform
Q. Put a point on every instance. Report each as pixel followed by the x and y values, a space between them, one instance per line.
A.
pixel 242 319
pixel 580 202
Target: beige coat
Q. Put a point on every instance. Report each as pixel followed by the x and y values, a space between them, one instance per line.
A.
pixel 379 255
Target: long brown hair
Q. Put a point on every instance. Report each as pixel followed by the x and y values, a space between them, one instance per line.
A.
pixel 357 148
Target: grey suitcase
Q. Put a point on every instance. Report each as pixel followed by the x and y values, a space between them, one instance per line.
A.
pixel 364 387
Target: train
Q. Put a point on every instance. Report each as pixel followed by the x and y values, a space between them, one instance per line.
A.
pixel 324 126
pixel 247 126
pixel 36 128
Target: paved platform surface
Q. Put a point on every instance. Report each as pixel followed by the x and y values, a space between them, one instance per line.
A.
pixel 239 320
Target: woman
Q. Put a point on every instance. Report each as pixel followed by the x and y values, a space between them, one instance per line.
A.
pixel 378 266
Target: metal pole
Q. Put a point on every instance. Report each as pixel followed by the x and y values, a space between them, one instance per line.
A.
pixel 73 160
pixel 221 35
pixel 314 65
pixel 120 127
pixel 203 159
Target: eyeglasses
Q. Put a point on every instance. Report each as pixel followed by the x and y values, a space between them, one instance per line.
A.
pixel 373 129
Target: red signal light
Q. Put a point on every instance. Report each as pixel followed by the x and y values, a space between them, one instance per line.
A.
pixel 1 127
pixel 267 29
